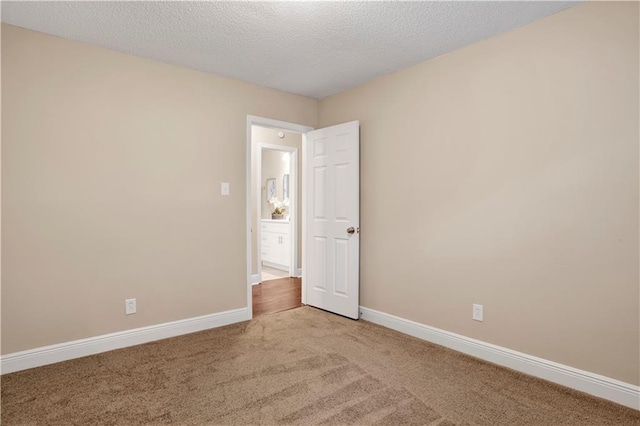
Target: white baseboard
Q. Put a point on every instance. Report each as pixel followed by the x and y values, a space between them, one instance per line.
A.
pixel 591 383
pixel 255 279
pixel 299 272
pixel 78 348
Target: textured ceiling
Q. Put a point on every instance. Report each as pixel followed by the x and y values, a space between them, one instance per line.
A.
pixel 309 48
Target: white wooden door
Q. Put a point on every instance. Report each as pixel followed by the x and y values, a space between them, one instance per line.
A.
pixel 331 276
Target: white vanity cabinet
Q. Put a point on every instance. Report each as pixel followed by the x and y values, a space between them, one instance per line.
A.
pixel 275 243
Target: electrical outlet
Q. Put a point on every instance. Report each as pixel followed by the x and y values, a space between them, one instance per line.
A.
pixel 130 306
pixel 477 312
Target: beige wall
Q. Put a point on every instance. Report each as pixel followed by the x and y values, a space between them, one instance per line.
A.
pixel 292 140
pixel 506 173
pixel 111 174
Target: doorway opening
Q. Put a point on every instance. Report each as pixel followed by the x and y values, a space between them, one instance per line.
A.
pixel 274 215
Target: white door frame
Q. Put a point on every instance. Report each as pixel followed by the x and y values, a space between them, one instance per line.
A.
pixel 293 203
pixel 274 124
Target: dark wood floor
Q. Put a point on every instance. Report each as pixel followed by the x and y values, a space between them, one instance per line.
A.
pixel 276 295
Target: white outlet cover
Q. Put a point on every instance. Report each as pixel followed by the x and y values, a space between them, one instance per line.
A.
pixel 478 312
pixel 130 306
pixel 224 188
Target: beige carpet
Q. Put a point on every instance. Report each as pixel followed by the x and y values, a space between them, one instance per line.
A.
pixel 302 366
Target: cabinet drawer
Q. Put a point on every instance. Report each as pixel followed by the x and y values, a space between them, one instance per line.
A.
pixel 280 228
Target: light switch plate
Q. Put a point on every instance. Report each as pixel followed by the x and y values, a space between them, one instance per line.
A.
pixel 224 188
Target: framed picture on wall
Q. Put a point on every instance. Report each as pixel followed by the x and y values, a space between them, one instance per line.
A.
pixel 285 187
pixel 271 189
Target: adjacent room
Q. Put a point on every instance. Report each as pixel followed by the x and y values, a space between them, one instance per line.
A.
pixel 276 200
pixel 320 213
